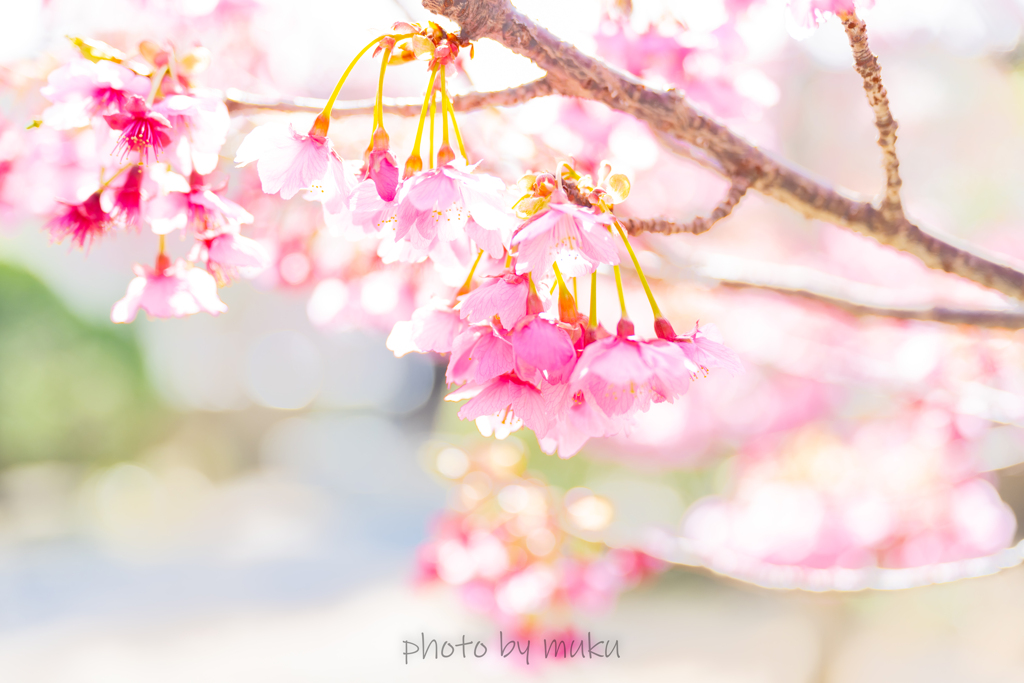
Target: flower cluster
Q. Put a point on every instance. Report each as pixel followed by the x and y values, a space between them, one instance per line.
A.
pixel 523 359
pixel 158 139
pixel 511 550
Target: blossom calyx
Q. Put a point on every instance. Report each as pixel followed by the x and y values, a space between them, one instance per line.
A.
pixel 663 329
pixel 445 155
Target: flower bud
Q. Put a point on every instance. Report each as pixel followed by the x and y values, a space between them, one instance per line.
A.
pixel 625 328
pixel 414 164
pixel 663 328
pixel 445 154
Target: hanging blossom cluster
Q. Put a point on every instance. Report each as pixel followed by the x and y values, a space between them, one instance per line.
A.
pixel 157 141
pixel 519 348
pixel 517 554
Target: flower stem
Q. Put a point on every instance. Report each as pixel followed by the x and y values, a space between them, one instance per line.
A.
pixel 158 80
pixel 640 272
pixel 622 296
pixel 433 107
pixel 337 89
pixel 111 179
pixel 469 278
pixel 444 111
pixel 423 114
pixel 378 107
pixel 593 300
pixel 455 127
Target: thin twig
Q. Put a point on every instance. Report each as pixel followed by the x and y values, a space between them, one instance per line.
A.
pixel 237 100
pixel 871 73
pixel 855 298
pixel 575 74
pixel 697 226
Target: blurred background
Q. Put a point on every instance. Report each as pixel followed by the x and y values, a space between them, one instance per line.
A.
pixel 243 497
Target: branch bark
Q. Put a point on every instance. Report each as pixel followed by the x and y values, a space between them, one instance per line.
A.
pixel 236 100
pixel 697 226
pixel 871 73
pixel 851 297
pixel 575 74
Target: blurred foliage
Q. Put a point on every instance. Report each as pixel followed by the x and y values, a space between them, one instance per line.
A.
pixel 69 391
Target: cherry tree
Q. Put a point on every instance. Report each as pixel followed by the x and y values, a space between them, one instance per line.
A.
pixel 561 291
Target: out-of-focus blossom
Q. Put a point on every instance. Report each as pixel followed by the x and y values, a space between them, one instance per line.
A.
pixel 172 291
pixel 83 222
pixel 81 90
pixel 142 129
pixel 505 550
pixel 288 161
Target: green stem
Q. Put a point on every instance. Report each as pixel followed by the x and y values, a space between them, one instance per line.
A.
pixel 455 127
pixel 158 80
pixel 423 114
pixel 378 107
pixel 444 111
pixel 640 272
pixel 433 107
pixel 622 297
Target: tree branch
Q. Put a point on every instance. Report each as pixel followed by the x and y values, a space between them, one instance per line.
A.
pixel 575 74
pixel 237 100
pixel 699 225
pixel 852 297
pixel 871 73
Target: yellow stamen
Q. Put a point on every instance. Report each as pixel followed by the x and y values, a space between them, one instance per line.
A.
pixel 640 272
pixel 163 243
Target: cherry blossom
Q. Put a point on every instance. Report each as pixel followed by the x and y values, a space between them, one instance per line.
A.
pixel 171 291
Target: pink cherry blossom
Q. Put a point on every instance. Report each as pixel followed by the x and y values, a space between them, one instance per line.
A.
pixel 479 354
pixel 543 352
pixel 83 223
pixel 128 198
pixel 576 238
pixel 200 124
pixel 174 204
pixel 229 253
pixel 287 161
pixel 437 204
pixel 369 212
pixel 171 292
pixel 383 171
pixel 142 129
pixel 703 348
pixel 433 328
pixel 82 89
pixel 504 296
pixel 577 423
pixel 622 375
pixel 510 402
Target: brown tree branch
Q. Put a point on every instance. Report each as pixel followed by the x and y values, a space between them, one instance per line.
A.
pixel 575 74
pixel 237 100
pixel 697 226
pixel 852 297
pixel 871 73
